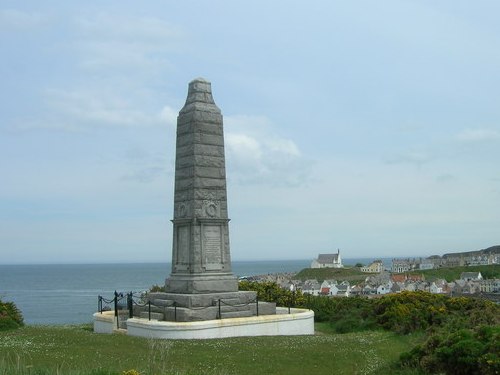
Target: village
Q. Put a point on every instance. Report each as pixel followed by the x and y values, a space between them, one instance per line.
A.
pixel 402 276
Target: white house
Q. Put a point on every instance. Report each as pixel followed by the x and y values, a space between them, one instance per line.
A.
pixel 374 267
pixel 343 290
pixel 384 289
pixel 312 287
pixel 400 265
pixel 426 264
pixel 327 261
pixel 438 286
pixel 329 287
pixel 471 276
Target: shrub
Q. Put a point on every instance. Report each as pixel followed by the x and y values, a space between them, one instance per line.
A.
pixel 461 352
pixel 157 288
pixel 352 314
pixel 10 316
pixel 131 372
pixel 271 292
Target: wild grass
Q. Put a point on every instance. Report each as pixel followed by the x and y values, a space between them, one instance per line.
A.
pixel 453 273
pixel 354 274
pixel 76 350
pixel 340 274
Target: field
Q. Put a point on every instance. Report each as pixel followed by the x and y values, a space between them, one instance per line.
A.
pixel 339 274
pixel 353 274
pixel 76 350
pixel 453 273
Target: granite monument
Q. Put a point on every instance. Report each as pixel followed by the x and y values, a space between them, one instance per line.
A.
pixel 201 285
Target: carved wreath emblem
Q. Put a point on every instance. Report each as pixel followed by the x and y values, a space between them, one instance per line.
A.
pixel 210 208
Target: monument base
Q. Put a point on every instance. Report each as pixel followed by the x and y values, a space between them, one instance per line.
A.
pixel 204 283
pixel 183 307
pixel 283 323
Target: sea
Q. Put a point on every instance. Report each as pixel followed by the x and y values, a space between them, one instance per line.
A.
pixel 68 293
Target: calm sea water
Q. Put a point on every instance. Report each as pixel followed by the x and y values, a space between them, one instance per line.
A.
pixel 67 294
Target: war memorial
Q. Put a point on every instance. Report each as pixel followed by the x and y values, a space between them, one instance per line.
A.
pixel 201 298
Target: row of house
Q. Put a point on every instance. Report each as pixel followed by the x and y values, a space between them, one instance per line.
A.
pixel 487 256
pixel 469 283
pixel 472 258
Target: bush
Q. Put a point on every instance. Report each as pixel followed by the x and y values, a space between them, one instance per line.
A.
pixel 271 292
pixel 408 312
pixel 352 314
pixel 10 316
pixel 404 312
pixel 157 288
pixel 461 352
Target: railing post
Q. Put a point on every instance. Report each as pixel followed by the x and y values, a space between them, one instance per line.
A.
pixel 149 310
pixel 257 303
pixel 220 316
pixel 116 310
pixel 130 304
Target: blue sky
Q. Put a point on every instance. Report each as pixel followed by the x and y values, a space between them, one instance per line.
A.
pixel 373 127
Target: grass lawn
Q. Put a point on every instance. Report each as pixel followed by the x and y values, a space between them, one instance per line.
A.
pixel 77 350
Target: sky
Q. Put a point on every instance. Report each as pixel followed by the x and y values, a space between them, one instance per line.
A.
pixel 372 127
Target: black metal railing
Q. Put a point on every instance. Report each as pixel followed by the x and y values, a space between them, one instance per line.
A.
pixel 142 300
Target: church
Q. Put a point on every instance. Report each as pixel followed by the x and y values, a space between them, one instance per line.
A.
pixel 327 261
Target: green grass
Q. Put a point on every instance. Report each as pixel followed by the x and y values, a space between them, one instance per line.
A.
pixel 339 274
pixel 354 274
pixel 453 273
pixel 76 350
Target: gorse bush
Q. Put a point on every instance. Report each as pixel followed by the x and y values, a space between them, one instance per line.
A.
pixel 407 312
pixel 462 334
pixel 10 316
pixel 458 352
pixel 271 292
pixel 404 312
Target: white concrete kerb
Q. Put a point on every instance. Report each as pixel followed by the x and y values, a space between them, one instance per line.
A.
pixel 298 322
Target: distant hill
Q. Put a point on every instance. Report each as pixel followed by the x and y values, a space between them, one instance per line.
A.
pixel 490 250
pixel 453 273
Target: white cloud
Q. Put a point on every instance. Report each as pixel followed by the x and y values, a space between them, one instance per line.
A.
pixel 283 146
pixel 127 27
pixel 244 146
pixel 123 58
pixel 416 157
pixel 81 110
pixel 95 108
pixel 117 42
pixel 478 135
pixel 257 155
pixel 168 115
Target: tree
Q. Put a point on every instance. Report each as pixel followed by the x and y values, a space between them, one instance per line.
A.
pixel 10 316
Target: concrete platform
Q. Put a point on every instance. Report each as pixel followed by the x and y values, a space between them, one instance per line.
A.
pixel 298 322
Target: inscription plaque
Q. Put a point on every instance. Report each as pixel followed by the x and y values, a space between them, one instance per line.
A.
pixel 183 245
pixel 212 246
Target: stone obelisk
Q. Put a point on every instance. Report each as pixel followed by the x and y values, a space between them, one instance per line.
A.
pixel 201 261
pixel 201 285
